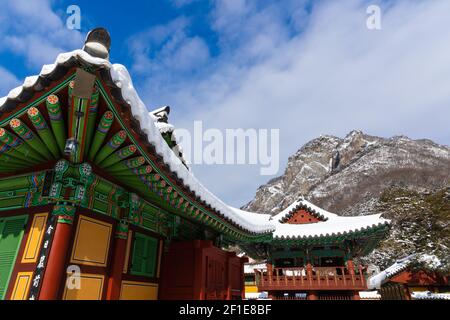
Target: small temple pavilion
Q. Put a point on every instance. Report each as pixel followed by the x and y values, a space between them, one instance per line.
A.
pixel 97 203
pixel 312 251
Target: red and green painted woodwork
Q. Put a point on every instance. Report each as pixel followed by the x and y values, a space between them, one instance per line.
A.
pixel 82 116
pixel 112 145
pixel 122 229
pixel 100 134
pixel 44 132
pixel 71 182
pixel 9 162
pixel 141 170
pixel 144 256
pixel 15 142
pixel 330 239
pixel 78 118
pixel 57 121
pixel 118 156
pixel 350 244
pixel 118 261
pixel 93 110
pixel 70 92
pixel 11 233
pixel 127 165
pixel 30 138
pixel 104 197
pixel 65 213
pixel 138 174
pixel 22 191
pixel 135 208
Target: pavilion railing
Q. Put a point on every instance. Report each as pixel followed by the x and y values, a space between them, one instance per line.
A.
pixel 315 278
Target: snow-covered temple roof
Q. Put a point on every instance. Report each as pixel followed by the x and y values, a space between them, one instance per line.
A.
pixel 331 223
pixel 427 295
pixel 378 279
pixel 400 265
pixel 369 295
pixel 249 268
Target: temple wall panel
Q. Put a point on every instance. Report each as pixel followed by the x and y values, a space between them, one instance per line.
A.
pixel 89 287
pixel 92 242
pixel 198 270
pixel 34 240
pixel 132 290
pixel 22 286
pixel 21 232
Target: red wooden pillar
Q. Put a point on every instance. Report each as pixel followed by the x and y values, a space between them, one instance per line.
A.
pixel 312 295
pixel 228 275
pixel 351 267
pixel 351 270
pixel 309 273
pixel 355 295
pixel 201 267
pixel 118 262
pixel 55 269
pixel 270 272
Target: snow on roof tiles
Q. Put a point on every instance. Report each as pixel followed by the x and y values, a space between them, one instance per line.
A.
pixel 427 295
pixel 378 279
pixel 250 268
pixel 369 295
pixel 333 224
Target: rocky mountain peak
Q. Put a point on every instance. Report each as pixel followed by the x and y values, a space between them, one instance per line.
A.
pixel 339 173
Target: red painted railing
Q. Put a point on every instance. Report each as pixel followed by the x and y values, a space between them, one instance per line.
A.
pixel 315 278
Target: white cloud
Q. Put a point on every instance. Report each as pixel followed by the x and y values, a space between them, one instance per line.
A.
pixel 7 81
pixel 33 30
pixel 330 77
pixel 165 52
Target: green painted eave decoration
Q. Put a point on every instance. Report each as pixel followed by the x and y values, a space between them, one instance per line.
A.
pixel 38 101
pixel 230 229
pixel 374 232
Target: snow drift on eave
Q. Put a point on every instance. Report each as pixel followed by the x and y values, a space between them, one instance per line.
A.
pixel 400 265
pixel 334 225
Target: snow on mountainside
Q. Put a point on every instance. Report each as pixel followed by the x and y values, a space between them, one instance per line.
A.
pixel 355 176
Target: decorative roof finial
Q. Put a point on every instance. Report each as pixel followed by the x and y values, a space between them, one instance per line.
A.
pixel 98 43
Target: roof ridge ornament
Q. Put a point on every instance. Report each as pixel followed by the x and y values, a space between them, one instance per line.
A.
pixel 98 43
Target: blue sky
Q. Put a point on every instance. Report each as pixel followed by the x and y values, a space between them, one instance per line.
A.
pixel 304 67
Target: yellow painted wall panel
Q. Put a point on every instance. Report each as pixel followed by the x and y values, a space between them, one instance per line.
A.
pixel 251 289
pixel 35 236
pixel 22 285
pixel 92 241
pixel 91 288
pixel 132 290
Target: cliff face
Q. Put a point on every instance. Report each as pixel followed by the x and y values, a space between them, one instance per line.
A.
pixel 358 174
